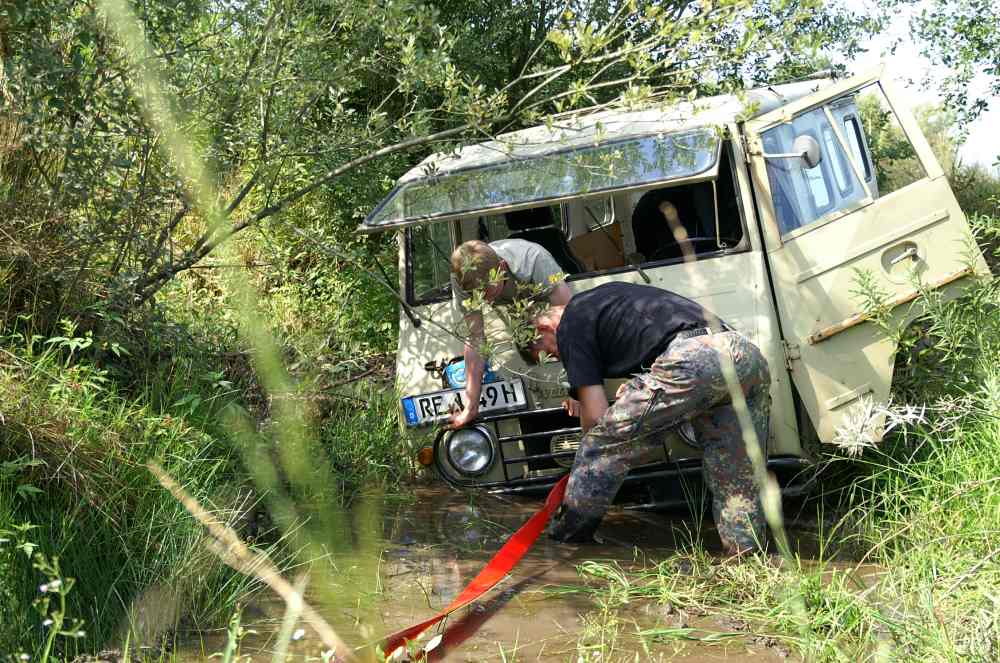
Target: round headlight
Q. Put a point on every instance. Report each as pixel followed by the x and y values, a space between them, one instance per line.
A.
pixel 470 451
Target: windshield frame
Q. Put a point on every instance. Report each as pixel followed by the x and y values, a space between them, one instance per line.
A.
pixel 411 264
pixel 710 170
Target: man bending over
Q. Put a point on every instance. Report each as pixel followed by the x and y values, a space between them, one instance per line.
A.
pixel 675 350
pixel 513 262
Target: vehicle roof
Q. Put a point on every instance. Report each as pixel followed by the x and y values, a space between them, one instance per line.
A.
pixel 586 128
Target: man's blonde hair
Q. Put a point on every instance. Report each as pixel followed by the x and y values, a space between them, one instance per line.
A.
pixel 472 262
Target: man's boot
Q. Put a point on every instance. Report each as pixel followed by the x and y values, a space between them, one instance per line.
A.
pixel 570 526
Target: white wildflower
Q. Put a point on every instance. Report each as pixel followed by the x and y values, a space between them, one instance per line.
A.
pixel 867 421
pixel 903 415
pixel 951 410
pixel 299 634
pixel 47 622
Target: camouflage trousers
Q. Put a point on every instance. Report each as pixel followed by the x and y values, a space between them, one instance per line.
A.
pixel 685 383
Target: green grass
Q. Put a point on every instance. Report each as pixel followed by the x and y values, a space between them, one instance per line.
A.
pixel 77 451
pixel 361 434
pixel 73 450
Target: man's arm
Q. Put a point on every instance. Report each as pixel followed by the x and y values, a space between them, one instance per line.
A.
pixel 593 405
pixel 475 366
pixel 560 294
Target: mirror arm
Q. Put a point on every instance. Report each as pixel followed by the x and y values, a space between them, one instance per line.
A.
pixel 809 151
pixel 785 155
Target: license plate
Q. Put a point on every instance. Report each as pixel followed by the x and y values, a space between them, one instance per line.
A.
pixel 436 406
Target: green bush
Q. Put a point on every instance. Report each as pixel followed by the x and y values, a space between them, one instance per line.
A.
pixel 977 190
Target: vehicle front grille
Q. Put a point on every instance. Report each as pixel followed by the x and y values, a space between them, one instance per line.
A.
pixel 550 439
pixel 545 434
pixel 527 458
pixel 567 442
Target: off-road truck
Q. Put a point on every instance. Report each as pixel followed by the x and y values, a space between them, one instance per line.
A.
pixel 779 195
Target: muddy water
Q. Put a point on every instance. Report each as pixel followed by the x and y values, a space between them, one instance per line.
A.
pixel 436 542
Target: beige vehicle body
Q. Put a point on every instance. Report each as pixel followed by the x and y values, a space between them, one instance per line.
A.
pixel 775 249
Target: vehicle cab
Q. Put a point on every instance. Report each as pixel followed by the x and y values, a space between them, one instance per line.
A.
pixel 778 205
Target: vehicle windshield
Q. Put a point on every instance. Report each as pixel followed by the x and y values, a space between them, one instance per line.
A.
pixel 658 225
pixel 627 163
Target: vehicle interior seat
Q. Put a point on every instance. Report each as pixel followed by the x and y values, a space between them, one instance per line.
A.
pixel 537 225
pixel 654 238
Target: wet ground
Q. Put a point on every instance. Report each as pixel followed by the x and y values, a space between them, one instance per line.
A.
pixel 435 541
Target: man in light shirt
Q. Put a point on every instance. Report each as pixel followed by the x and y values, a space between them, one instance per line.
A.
pixel 474 265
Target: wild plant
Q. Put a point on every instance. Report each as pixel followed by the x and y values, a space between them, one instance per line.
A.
pixel 51 605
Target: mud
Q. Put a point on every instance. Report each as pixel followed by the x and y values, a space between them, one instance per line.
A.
pixel 436 541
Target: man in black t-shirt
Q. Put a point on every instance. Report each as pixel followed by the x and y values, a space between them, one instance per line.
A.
pixel 678 354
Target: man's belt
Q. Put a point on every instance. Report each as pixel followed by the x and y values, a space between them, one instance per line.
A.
pixel 701 331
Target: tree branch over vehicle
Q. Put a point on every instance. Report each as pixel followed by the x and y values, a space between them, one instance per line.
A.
pixel 963 37
pixel 285 99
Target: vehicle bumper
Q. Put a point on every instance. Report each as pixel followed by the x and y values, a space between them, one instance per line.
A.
pixel 528 463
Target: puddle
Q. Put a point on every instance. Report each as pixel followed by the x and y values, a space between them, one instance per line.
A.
pixel 435 544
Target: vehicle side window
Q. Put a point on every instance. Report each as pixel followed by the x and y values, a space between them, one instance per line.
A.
pixel 492 228
pixel 820 191
pixel 594 234
pixel 852 132
pixel 541 225
pixel 841 171
pixel 429 252
pixel 804 195
pixel 894 160
pixel 680 222
pixel 588 235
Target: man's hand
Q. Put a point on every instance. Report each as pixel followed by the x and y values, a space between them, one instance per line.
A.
pixel 474 369
pixel 465 416
pixel 620 390
pixel 572 407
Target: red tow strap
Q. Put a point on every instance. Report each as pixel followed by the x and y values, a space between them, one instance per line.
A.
pixel 506 559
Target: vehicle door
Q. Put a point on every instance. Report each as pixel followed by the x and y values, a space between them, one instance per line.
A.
pixel 828 227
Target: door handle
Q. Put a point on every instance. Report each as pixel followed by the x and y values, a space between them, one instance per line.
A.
pixel 908 253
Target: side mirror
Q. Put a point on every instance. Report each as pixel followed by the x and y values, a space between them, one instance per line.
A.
pixel 808 147
pixel 805 148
